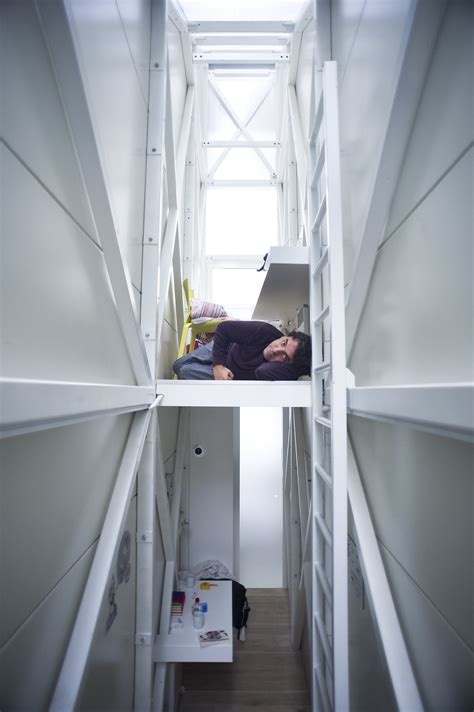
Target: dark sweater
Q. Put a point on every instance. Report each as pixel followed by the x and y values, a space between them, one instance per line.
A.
pixel 239 346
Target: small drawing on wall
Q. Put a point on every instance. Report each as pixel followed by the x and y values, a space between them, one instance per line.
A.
pixel 123 569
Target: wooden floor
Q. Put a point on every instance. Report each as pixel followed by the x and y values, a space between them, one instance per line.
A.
pixel 266 675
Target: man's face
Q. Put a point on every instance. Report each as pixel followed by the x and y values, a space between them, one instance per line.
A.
pixel 281 350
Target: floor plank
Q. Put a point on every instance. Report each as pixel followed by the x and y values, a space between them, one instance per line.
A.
pixel 266 675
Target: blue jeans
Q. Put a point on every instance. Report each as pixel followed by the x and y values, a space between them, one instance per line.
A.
pixel 196 365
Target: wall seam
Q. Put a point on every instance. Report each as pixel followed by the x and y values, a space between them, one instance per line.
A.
pixel 428 193
pixel 50 193
pixel 425 595
pixel 30 615
pixel 145 99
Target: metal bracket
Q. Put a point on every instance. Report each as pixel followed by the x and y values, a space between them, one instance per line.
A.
pixel 144 537
pixel 143 639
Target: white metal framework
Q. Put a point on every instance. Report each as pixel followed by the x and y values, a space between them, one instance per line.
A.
pixel 329 440
pixel 306 176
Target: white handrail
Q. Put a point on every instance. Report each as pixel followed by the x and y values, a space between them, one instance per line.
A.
pixel 379 595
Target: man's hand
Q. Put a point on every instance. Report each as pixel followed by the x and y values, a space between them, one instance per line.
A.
pixel 221 373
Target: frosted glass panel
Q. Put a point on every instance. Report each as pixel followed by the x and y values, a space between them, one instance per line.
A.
pixel 241 221
pixel 237 290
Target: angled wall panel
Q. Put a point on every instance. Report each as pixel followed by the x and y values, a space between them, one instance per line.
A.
pixel 419 489
pixel 444 125
pixel 417 324
pixel 58 315
pixel 119 108
pixel 32 659
pixel 34 126
pixel 56 485
pixel 365 97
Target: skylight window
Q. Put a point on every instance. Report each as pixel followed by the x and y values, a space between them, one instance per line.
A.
pixel 196 10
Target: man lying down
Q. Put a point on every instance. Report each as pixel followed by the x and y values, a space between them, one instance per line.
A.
pixel 248 351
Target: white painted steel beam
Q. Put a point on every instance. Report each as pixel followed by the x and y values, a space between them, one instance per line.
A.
pixel 75 661
pixel 152 229
pixel 446 409
pixel 241 144
pixel 234 394
pixel 380 597
pixel 300 150
pixel 146 600
pixel 182 447
pixel 234 27
pixel 241 183
pixel 302 22
pixel 254 58
pixel 239 40
pixel 30 405
pixel 59 31
pixel 415 55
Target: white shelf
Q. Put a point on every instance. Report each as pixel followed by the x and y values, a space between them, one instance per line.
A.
pixel 235 394
pixel 286 285
pixel 182 645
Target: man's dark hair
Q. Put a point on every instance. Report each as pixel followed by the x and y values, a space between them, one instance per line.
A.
pixel 302 358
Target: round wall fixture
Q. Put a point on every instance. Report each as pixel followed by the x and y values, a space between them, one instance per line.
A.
pixel 199 451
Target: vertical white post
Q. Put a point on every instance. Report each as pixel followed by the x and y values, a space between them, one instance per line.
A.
pixel 329 437
pixel 146 603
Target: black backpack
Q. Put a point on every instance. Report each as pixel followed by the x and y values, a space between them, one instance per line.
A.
pixel 240 606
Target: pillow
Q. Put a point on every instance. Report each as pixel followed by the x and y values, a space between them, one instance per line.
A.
pixel 201 309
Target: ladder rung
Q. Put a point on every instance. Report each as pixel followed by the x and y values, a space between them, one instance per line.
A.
pixel 323 474
pixel 319 165
pixel 316 125
pixel 322 686
pixel 325 422
pixel 323 260
pixel 323 367
pixel 323 528
pixel 322 316
pixel 319 215
pixel 324 581
pixel 323 637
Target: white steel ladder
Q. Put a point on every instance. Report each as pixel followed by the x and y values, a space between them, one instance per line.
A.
pixel 330 684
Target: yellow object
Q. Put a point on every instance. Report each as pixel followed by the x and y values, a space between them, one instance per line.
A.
pixel 205 586
pixel 206 327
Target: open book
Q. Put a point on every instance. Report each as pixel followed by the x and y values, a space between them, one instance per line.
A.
pixel 212 637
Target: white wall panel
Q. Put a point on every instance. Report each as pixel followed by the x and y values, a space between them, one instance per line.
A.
pixel 31 661
pixel 120 113
pixel 136 19
pixel 33 122
pixel 444 663
pixel 444 124
pixel 178 79
pixel 55 489
pixel 364 103
pixel 211 477
pixel 109 675
pixel 417 324
pixel 59 318
pixel 345 18
pixel 419 489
